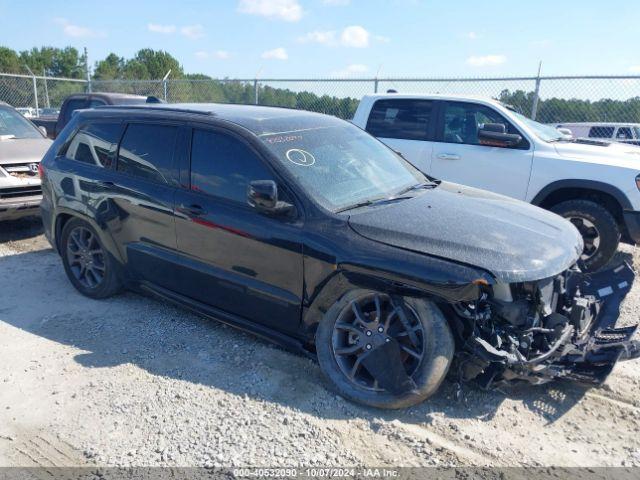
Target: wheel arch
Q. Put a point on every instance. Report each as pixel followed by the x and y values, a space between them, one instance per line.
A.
pixel 610 197
pixel 63 216
pixel 344 281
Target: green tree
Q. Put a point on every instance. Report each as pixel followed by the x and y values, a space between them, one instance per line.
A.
pixel 110 68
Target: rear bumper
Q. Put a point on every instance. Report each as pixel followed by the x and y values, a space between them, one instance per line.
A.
pixel 632 222
pixel 20 207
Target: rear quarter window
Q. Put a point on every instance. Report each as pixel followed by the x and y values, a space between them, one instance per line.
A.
pixel 95 143
pixel 406 119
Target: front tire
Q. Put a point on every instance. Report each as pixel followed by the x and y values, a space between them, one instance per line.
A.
pixel 89 266
pixel 599 230
pixel 343 334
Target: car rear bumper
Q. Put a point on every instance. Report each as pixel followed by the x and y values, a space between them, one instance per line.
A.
pixel 19 207
pixel 632 222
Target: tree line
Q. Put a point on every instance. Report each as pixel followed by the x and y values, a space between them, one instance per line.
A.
pixel 115 73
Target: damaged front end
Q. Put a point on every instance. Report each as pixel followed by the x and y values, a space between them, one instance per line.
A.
pixel 559 327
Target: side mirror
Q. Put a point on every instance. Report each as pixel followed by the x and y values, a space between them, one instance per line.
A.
pixel 43 130
pixel 565 131
pixel 263 196
pixel 495 135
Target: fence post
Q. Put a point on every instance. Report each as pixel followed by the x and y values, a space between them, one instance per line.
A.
pixel 86 69
pixel 35 89
pixel 164 84
pixel 46 88
pixel 375 85
pixel 256 92
pixel 536 95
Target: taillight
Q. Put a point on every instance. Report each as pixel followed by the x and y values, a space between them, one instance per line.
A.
pixel 41 171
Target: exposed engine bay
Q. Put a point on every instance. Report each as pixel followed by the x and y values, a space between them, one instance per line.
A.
pixel 558 327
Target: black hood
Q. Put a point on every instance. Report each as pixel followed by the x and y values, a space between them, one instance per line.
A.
pixel 513 240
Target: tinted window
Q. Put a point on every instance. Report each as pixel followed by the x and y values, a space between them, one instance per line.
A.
pixel 463 120
pixel 624 133
pixel 223 166
pixel 73 105
pixel 95 144
pixel 146 151
pixel 601 132
pixel 404 119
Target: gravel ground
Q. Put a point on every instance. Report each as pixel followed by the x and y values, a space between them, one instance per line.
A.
pixel 131 381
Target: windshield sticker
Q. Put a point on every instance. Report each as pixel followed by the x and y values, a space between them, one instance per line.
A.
pixel 300 157
pixel 283 139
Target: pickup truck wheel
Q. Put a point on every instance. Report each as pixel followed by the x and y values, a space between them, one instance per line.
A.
pixel 384 351
pixel 599 230
pixel 89 266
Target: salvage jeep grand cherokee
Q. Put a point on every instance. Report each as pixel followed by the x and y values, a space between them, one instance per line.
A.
pixel 308 231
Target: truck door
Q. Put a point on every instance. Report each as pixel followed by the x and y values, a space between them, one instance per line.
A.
pixel 459 156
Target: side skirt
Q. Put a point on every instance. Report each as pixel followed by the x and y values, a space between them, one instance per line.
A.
pixel 289 343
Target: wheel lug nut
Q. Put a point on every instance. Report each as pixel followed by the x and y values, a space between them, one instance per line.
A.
pixel 380 329
pixel 368 333
pixel 387 340
pixel 368 346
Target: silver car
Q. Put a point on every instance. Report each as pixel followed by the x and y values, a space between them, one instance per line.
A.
pixel 22 146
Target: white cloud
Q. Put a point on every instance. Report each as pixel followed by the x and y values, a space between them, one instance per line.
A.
pixel 287 10
pixel 275 54
pixel 355 36
pixel 486 60
pixel 192 31
pixel 77 31
pixel 325 38
pixel 336 2
pixel 350 70
pixel 472 35
pixel 634 69
pixel 157 28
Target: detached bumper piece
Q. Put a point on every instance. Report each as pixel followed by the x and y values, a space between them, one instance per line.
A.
pixel 581 341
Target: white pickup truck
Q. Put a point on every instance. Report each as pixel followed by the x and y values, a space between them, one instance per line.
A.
pixel 485 144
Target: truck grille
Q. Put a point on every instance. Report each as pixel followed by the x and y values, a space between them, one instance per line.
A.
pixel 17 192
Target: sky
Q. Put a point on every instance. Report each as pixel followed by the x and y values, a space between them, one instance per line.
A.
pixel 342 38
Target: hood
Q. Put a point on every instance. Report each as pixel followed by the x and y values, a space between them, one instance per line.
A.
pixel 513 240
pixel 23 150
pixel 617 154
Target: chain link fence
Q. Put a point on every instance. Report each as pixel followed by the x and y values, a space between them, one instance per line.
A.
pixel 547 99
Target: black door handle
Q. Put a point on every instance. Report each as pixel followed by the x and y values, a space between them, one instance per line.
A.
pixel 106 184
pixel 192 210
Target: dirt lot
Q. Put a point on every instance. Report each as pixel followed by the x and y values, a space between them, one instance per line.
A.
pixel 131 381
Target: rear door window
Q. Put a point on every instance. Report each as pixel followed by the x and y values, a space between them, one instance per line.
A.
pixel 601 132
pixel 405 119
pixel 146 152
pixel 95 143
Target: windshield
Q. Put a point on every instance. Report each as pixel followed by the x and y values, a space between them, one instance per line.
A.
pixel 543 132
pixel 341 165
pixel 14 124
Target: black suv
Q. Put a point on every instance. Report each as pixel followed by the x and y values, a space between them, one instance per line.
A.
pixel 303 229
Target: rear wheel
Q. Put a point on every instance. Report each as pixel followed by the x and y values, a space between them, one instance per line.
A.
pixel 89 266
pixel 384 351
pixel 599 230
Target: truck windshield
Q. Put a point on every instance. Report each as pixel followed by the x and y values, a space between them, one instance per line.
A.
pixel 543 132
pixel 342 166
pixel 14 124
